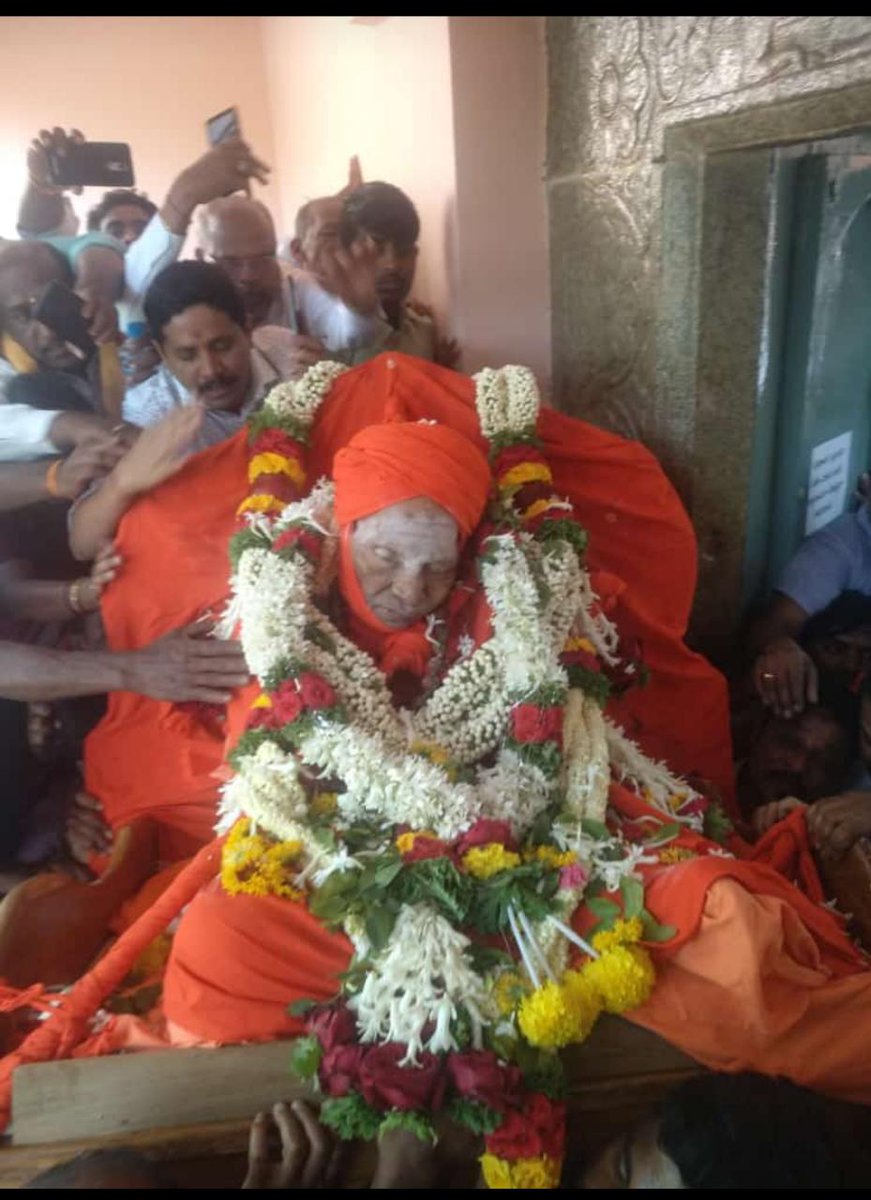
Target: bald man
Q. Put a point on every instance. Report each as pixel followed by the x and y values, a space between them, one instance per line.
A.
pixel 238 234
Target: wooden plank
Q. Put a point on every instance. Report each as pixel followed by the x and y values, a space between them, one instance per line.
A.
pixel 123 1093
pixel 120 1094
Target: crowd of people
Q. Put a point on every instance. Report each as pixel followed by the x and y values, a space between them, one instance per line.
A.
pixel 151 695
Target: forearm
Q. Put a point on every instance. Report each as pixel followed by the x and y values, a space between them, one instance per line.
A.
pixel 22 484
pixel 36 673
pixel 40 211
pixel 178 206
pixel 783 618
pixel 95 518
pixel 37 599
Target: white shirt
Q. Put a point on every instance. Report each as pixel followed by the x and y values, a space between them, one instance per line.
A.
pixel 160 394
pixel 323 315
pixel 24 431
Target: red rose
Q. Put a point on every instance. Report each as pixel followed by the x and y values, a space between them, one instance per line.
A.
pixel 513 456
pixel 582 658
pixel 385 1084
pixel 333 1025
pixel 482 833
pixel 280 486
pixel 549 1118
pixel 539 1128
pixel 276 441
pixel 533 724
pixel 527 495
pixel 339 1069
pixel 262 718
pixel 516 1137
pixel 315 691
pixel 286 703
pixel 478 1075
pixel 302 539
pixel 425 847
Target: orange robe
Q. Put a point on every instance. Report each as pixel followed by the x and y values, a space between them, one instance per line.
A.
pixel 149 757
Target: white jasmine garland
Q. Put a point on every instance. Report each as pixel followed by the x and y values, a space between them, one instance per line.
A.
pixel 423 975
pixel 649 778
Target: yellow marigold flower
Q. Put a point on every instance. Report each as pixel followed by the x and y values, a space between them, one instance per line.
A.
pixel 579 643
pixel 496 1171
pixel 556 1014
pixel 253 866
pixel 677 801
pixel 275 464
pixel 432 750
pixel 508 990
pixel 674 854
pixel 540 1172
pixel 324 804
pixel 262 701
pixel 405 841
pixel 551 857
pixel 535 509
pixel 484 861
pixel 525 472
pixel 622 933
pixel 623 976
pixel 260 503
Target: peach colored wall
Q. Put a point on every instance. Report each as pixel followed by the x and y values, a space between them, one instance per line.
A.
pixel 498 70
pixel 149 81
pixel 380 91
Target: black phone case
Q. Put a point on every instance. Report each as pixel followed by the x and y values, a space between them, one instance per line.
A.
pixel 92 164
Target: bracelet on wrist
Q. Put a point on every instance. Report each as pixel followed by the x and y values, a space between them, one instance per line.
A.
pixel 74 597
pixel 51 477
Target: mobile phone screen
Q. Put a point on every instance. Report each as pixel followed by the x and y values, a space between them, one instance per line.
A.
pixel 223 126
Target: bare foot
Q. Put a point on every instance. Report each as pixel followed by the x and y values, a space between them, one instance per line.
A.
pixel 837 822
pixel 763 818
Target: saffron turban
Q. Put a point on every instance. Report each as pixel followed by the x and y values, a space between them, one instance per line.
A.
pixel 401 460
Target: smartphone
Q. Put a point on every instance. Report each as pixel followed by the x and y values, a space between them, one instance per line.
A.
pixel 223 126
pixel 60 309
pixel 91 164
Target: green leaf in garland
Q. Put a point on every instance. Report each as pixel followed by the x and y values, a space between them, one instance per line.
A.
pixel 665 833
pixel 632 891
pixel 379 922
pixel 305 1057
pixel 351 1117
pixel 606 910
pixel 716 825
pixel 437 881
pixel 317 635
pixel 478 1118
pixel 595 829
pixel 418 1123
pixel 592 683
pixel 301 1008
pixel 653 931
pixel 542 1070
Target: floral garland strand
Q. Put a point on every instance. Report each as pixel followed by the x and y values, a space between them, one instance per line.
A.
pixel 422 842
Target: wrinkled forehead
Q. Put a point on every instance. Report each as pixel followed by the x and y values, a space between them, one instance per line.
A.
pixel 416 529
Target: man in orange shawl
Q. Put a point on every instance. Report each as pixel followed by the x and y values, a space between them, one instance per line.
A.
pixel 797 969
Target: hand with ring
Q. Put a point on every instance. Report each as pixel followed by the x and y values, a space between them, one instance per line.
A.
pixel 785 677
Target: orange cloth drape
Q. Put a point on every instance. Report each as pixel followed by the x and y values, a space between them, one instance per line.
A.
pixel 151 757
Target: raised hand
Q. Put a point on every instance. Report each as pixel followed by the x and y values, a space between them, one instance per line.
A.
pixel 159 451
pixel 349 273
pixel 37 157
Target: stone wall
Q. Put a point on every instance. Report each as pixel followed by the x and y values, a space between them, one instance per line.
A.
pixel 620 90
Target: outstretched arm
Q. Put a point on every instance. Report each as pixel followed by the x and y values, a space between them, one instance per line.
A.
pixel 159 452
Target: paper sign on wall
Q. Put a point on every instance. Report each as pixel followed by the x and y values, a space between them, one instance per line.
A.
pixel 827 485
